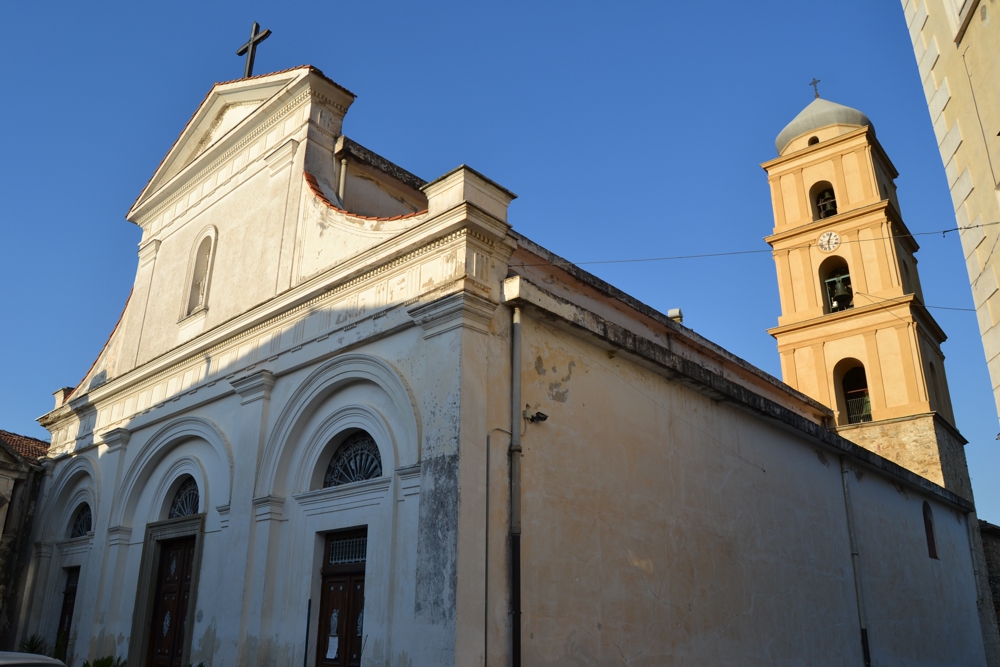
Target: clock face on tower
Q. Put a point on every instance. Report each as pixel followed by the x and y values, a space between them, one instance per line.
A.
pixel 829 241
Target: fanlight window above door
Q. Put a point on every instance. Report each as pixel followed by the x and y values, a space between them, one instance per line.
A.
pixel 186 501
pixel 82 522
pixel 355 460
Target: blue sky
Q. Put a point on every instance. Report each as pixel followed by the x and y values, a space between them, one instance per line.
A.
pixel 628 130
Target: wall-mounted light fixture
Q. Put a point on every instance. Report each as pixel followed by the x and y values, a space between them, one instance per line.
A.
pixel 535 418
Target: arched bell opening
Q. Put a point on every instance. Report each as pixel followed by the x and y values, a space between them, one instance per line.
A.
pixel 835 277
pixel 853 401
pixel 824 200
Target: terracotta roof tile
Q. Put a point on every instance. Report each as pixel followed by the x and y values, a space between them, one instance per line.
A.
pixel 29 448
pixel 314 188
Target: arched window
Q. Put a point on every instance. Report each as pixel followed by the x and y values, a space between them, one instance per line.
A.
pixel 813 141
pixel 82 522
pixel 824 201
pixel 186 500
pixel 355 460
pixel 198 294
pixel 855 388
pixel 929 531
pixel 837 290
pixel 933 388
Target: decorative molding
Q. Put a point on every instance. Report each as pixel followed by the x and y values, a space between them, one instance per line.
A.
pixel 223 511
pixel 119 535
pixel 116 438
pixel 148 251
pixel 409 480
pixel 344 497
pixel 253 387
pixel 207 138
pixel 281 156
pixel 77 545
pixel 268 508
pixel 323 99
pixel 43 549
pixel 461 309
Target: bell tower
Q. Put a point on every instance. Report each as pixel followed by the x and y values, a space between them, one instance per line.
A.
pixel 853 332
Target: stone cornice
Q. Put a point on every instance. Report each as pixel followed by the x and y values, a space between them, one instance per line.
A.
pixel 458 310
pixel 254 387
pixel 909 306
pixel 463 224
pixel 846 219
pixel 116 439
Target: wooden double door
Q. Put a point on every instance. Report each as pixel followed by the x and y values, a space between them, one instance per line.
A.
pixel 170 604
pixel 66 614
pixel 342 602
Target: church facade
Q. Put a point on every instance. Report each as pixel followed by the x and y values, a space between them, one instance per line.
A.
pixel 350 417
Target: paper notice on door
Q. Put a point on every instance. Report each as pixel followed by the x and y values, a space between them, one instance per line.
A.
pixel 331 647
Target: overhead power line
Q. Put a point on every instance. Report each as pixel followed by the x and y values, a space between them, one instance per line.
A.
pixel 943 232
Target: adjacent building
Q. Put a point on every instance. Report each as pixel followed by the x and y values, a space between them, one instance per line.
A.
pixel 956 44
pixel 20 481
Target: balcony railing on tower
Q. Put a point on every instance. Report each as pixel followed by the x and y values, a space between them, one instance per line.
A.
pixel 859 409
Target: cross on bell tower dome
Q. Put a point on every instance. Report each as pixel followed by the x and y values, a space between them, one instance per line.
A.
pixel 853 332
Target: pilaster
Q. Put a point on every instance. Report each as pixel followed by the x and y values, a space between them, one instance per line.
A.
pixel 109 556
pixel 239 573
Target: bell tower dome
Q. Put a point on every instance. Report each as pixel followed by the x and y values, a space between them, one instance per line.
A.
pixel 853 332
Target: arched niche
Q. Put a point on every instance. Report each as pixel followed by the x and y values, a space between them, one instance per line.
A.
pixel 189 445
pixel 353 391
pixel 200 272
pixel 836 289
pixel 851 386
pixel 78 482
pixel 823 200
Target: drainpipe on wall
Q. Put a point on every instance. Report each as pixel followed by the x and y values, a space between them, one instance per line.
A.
pixel 855 563
pixel 515 490
pixel 343 180
pixel 486 575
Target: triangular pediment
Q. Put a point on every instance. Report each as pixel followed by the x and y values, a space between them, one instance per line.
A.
pixel 225 109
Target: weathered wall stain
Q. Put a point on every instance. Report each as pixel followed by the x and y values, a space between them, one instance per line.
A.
pixel 437 543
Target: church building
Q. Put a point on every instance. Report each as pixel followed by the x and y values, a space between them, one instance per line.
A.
pixel 352 417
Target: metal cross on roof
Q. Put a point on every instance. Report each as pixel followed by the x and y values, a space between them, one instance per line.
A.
pixel 250 48
pixel 814 83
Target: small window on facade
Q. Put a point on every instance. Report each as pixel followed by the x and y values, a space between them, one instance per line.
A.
pixel 82 522
pixel 929 531
pixel 198 296
pixel 355 460
pixel 186 500
pixel 813 141
pixel 855 387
